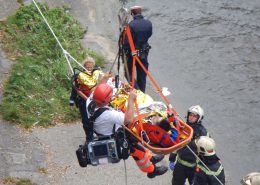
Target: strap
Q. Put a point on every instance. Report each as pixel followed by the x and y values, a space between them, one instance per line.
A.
pixel 97 113
pixel 94 114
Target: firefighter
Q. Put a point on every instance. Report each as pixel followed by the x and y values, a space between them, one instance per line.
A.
pixel 183 162
pixel 213 173
pixel 110 118
pixel 141 30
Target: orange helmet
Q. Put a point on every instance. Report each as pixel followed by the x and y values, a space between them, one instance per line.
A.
pixel 102 94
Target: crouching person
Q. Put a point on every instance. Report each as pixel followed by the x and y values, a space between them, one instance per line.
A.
pixel 110 119
pixel 213 174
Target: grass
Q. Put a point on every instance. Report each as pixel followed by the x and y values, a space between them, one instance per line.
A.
pixel 16 181
pixel 43 170
pixel 37 90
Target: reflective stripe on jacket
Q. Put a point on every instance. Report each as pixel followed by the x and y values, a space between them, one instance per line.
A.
pixel 143 160
pixel 207 172
pixel 185 163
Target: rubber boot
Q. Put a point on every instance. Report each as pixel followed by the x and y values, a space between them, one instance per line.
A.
pixel 157 171
pixel 157 158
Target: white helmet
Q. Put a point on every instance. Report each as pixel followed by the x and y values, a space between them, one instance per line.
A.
pixel 136 10
pixel 196 109
pixel 205 146
pixel 251 179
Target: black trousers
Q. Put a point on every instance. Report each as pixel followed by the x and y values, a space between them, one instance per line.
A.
pixel 140 82
pixel 181 173
pixel 84 118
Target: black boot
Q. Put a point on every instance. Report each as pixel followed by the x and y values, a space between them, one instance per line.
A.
pixel 157 171
pixel 86 133
pixel 157 158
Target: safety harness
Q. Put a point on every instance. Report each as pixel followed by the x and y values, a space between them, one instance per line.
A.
pixel 94 114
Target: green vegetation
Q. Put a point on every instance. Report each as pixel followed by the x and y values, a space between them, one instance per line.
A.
pixel 25 182
pixel 16 181
pixel 37 91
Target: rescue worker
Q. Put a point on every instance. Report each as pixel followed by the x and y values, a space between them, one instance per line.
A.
pixel 87 86
pixel 251 179
pixel 183 162
pixel 110 118
pixel 141 30
pixel 214 173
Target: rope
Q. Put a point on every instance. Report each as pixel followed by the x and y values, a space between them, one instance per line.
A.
pixel 203 164
pixel 125 173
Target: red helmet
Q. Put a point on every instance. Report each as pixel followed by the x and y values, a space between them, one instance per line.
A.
pixel 102 94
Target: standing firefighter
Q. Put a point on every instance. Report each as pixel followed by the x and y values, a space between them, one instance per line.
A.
pixel 214 173
pixel 141 30
pixel 183 162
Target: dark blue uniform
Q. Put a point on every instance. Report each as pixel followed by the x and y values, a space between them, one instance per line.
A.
pixel 185 161
pixel 141 30
pixel 205 177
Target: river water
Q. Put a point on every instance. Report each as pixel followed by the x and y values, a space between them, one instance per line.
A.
pixel 208 53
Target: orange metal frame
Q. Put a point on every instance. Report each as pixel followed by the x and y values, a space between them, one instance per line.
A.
pixel 184 128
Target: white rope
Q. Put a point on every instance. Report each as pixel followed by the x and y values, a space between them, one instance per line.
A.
pixel 125 173
pixel 66 54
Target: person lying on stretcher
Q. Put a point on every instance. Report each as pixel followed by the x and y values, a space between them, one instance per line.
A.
pixel 159 130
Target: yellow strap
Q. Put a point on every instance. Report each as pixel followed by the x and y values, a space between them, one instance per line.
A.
pixel 186 163
pixel 210 172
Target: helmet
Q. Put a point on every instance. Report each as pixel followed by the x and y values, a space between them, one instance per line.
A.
pixel 102 94
pixel 196 109
pixel 251 179
pixel 255 179
pixel 205 146
pixel 136 10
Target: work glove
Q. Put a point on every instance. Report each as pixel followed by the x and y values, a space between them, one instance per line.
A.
pixel 172 165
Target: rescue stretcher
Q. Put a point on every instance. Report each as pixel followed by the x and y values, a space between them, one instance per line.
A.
pixel 119 101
